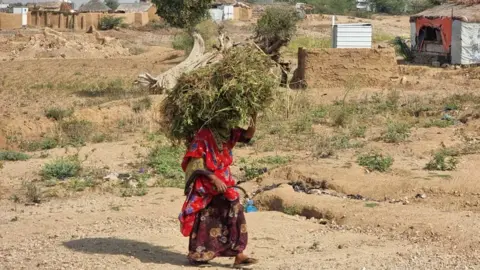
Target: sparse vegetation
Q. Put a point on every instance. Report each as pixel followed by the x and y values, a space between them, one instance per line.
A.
pixel 444 159
pixel 166 160
pixel 135 187
pixel 142 104
pixel 308 43
pixel 77 132
pixel 57 113
pixel 43 144
pixel 13 156
pixel 255 168
pixel 375 162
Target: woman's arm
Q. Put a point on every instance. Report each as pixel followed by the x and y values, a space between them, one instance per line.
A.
pixel 251 128
pixel 198 164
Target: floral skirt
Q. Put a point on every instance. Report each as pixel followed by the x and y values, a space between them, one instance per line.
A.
pixel 220 230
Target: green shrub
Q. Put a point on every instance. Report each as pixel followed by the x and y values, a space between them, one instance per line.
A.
pixel 166 161
pixel 109 22
pixel 44 144
pixel 375 162
pixel 396 132
pixel 58 113
pixel 443 160
pixel 207 29
pixel 61 168
pixel 277 23
pixel 439 123
pixel 183 41
pixel 13 156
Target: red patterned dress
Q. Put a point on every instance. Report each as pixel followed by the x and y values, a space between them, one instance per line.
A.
pixel 214 222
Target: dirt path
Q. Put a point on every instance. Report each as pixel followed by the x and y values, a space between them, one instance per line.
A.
pixel 109 232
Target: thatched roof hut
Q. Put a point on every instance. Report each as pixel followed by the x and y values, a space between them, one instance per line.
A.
pixel 466 13
pixel 448 33
pixel 94 6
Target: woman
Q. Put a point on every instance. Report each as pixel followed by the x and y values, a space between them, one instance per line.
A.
pixel 212 215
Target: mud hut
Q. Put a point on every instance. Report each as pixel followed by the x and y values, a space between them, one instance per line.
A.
pixel 449 33
pixel 94 6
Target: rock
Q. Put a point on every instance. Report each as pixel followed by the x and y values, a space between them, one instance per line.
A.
pixel 112 176
pixel 445 65
pixel 403 80
pixel 435 64
pixel 421 196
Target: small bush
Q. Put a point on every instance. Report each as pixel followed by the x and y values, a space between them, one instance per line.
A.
pixel 277 23
pixel 61 168
pixel 13 156
pixel 79 184
pixel 136 188
pixel 166 161
pixel 183 41
pixel 58 113
pixel 375 162
pixel 396 132
pixel 109 22
pixel 443 160
pixel 358 132
pixel 77 131
pixel 323 148
pixel 33 193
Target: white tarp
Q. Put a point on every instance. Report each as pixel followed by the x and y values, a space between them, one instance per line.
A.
pixel 470 38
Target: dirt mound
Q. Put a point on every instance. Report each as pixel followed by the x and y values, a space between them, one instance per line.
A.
pixel 324 68
pixel 53 44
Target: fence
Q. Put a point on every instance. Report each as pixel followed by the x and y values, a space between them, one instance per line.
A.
pixel 59 20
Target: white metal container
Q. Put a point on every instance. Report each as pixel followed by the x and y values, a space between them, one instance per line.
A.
pixel 24 12
pixel 352 36
pixel 228 12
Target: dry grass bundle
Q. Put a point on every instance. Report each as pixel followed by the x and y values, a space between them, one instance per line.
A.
pixel 225 93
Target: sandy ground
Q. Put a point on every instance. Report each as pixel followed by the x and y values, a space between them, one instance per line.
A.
pixel 410 218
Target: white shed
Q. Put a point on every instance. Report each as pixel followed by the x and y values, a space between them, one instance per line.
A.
pixel 354 35
pixel 24 12
pixel 449 33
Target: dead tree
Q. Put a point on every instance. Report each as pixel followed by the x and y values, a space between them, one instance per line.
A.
pixel 197 58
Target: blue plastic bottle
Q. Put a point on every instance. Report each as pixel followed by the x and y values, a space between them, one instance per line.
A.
pixel 250 207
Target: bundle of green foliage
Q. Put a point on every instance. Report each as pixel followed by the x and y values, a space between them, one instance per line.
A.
pixel 223 94
pixel 183 14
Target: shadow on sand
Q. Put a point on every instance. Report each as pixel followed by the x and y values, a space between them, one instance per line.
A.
pixel 145 252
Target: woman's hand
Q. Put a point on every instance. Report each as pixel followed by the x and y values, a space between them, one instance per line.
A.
pixel 219 184
pixel 221 187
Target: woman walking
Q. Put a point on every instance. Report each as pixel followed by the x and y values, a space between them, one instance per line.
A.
pixel 212 215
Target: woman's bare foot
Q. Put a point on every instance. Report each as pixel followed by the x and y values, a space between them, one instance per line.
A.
pixel 242 259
